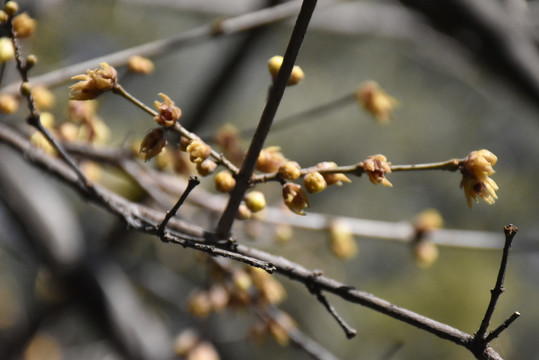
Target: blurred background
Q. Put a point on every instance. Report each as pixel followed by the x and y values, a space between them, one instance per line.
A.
pixel 458 91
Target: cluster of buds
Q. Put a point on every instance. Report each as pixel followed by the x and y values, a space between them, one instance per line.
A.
pixel 476 169
pixel 274 65
pixel 376 166
pixel 376 101
pixel 168 113
pixel 190 346
pixel 93 83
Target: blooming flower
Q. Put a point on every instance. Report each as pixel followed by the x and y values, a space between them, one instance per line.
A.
pixel 295 198
pixel 375 100
pixel 168 113
pixel 198 151
pixel 93 83
pixel 376 166
pixel 475 177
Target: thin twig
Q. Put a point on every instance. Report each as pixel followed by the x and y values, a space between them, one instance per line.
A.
pixel 348 330
pixel 496 332
pixel 510 232
pixel 193 182
pixel 274 99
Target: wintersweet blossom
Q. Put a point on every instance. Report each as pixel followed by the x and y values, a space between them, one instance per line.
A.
pixel 376 101
pixel 476 182
pixel 93 83
pixel 376 166
pixel 168 113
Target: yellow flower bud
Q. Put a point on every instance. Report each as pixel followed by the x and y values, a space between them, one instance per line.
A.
pixel 168 114
pixel 153 143
pixel 376 101
pixel 43 98
pixel 314 182
pixel 425 253
pixel 290 170
pixel 243 212
pixel 47 120
pixel 428 220
pixel 295 198
pixel 26 88
pixel 23 25
pixel 140 64
pixel 332 178
pixel 68 131
pixel 283 233
pixel 224 181
pixel 270 159
pixel 8 104
pixel 342 241
pixel 31 61
pixel 11 8
pixel 7 51
pixel 198 151
pixel 185 342
pixel 274 65
pixel 200 304
pixel 3 16
pixel 255 201
pixel 40 141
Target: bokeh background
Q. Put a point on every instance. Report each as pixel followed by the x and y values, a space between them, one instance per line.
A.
pixel 451 103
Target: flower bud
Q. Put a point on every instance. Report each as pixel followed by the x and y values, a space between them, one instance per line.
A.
pixel 140 64
pixel 295 198
pixel 11 8
pixel 198 151
pixel 255 201
pixel 376 101
pixel 168 113
pixel 7 51
pixel 153 143
pixel 23 25
pixel 26 88
pixel 224 181
pixel 31 61
pixel 270 159
pixel 47 120
pixel 428 220
pixel 332 178
pixel 200 304
pixel 43 98
pixel 40 141
pixel 243 212
pixel 274 65
pixel 342 241
pixel 8 104
pixel 3 16
pixel 206 167
pixel 314 182
pixel 425 253
pixel 290 170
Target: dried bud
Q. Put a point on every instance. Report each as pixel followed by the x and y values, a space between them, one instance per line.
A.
pixel 93 83
pixel 153 143
pixel 23 25
pixel 274 65
pixel 184 143
pixel 7 51
pixel 314 182
pixel 224 181
pixel 140 64
pixel 8 104
pixel 206 167
pixel 342 241
pixel 375 100
pixel 270 159
pixel 332 178
pixel 475 177
pixel 295 198
pixel 290 170
pixel 255 201
pixel 376 166
pixel 43 98
pixel 425 253
pixel 168 113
